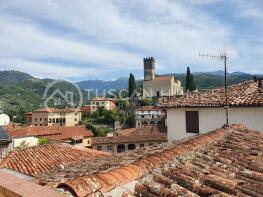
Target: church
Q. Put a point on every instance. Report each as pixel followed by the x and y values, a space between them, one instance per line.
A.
pixel 159 86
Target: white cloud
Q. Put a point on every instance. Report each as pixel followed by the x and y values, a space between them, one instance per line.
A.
pixel 115 34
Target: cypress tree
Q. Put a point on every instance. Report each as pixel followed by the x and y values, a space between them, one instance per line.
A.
pixel 188 79
pixel 190 84
pixel 132 84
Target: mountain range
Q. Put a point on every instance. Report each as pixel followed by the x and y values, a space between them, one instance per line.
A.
pixel 21 92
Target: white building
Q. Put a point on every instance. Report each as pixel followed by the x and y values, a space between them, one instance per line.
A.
pixel 204 112
pixel 149 116
pixel 158 86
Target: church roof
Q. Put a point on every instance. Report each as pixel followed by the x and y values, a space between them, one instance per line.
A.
pixel 163 78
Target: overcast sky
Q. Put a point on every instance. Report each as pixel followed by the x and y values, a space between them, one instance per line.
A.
pixel 107 39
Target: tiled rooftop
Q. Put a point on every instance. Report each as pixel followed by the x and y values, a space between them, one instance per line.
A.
pixel 102 99
pixel 52 132
pixel 221 163
pixel 133 135
pixel 42 159
pixel 148 130
pixel 242 94
pixel 128 139
pixel 149 108
pixel 56 110
pixel 162 78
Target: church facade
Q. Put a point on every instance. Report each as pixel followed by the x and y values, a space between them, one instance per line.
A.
pixel 158 86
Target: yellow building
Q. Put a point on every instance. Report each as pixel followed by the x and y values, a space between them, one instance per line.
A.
pixel 56 117
pixel 101 103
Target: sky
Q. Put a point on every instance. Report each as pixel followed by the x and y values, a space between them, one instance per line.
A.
pixel 107 39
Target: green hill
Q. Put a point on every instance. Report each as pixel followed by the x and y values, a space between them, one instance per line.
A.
pixel 20 92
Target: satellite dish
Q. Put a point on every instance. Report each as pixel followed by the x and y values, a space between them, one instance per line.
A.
pixel 4 119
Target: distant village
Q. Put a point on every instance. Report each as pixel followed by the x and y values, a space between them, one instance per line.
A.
pixel 199 143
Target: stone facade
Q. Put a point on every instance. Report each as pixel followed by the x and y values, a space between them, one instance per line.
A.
pixel 158 86
pixel 56 117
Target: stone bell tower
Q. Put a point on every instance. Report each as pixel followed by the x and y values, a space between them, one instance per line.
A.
pixel 149 68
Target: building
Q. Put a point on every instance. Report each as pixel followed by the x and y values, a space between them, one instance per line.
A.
pixel 130 139
pixel 159 86
pixel 85 109
pixel 149 116
pixel 101 103
pixel 223 162
pixel 203 112
pixel 5 143
pixel 29 136
pixel 55 117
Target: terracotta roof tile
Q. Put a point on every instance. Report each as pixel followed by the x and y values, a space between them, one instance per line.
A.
pixel 224 162
pixel 148 130
pixel 41 159
pixel 149 108
pixel 52 132
pixel 130 139
pixel 56 110
pixel 242 94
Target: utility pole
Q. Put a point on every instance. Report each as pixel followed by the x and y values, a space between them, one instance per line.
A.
pixel 221 57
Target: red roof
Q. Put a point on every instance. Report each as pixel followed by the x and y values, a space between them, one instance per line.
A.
pixel 102 99
pixel 239 95
pixel 149 108
pixel 224 162
pixel 41 159
pixel 56 110
pixel 128 139
pixel 52 132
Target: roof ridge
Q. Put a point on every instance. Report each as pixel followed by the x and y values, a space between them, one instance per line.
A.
pixel 108 180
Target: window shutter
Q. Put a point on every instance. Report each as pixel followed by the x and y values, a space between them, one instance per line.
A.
pixel 192 121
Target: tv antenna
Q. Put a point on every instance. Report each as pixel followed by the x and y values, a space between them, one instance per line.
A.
pixel 220 57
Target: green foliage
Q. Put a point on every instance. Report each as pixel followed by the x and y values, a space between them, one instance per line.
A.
pixel 132 84
pixel 145 102
pixel 42 141
pixel 123 104
pixel 106 116
pixel 98 131
pixel 190 84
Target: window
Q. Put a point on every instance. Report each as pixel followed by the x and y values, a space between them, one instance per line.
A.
pixel 150 144
pixel 40 125
pixel 64 120
pixel 35 119
pixel 141 145
pixel 53 120
pixel 50 120
pixel 40 119
pixel 56 120
pixel 99 147
pixel 35 124
pixel 192 121
pixel 109 147
pixel 75 119
pixel 45 119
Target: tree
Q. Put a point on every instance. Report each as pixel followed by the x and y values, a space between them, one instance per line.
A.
pixel 190 84
pixel 42 141
pixel 132 84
